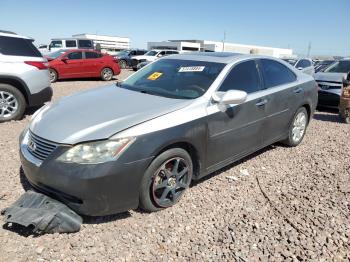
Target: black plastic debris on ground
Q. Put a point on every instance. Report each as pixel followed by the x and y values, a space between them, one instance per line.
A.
pixel 43 214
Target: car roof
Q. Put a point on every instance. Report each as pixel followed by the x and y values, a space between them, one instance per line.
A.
pixel 12 34
pixel 218 57
pixel 160 50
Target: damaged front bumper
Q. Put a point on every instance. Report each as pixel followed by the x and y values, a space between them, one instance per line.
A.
pixel 90 189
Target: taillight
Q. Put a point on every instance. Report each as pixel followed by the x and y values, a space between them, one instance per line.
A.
pixel 115 59
pixel 39 65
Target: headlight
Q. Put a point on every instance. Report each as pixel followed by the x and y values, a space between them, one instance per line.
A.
pixel 96 152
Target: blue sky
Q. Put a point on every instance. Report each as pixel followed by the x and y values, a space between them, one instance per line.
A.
pixel 277 23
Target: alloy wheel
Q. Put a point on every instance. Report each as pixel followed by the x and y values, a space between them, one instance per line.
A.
pixel 8 104
pixel 170 182
pixel 107 74
pixel 299 127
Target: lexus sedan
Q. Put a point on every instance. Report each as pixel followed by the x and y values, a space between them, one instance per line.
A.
pixel 141 142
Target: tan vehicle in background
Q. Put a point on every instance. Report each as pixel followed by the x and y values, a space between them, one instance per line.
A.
pixel 344 105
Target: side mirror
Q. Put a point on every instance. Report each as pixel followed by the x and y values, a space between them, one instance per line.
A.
pixel 159 55
pixel 300 68
pixel 229 97
pixel 64 59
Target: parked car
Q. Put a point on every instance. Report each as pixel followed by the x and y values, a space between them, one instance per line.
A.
pixel 125 56
pixel 330 83
pixel 303 64
pixel 321 65
pixel 151 56
pixel 79 63
pixel 180 118
pixel 344 105
pixel 70 43
pixel 24 76
pixel 142 64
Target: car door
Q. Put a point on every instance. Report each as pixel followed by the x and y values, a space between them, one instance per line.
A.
pixel 281 100
pixel 238 130
pixel 72 65
pixel 92 63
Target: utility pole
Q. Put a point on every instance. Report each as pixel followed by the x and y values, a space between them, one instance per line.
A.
pixel 223 42
pixel 309 50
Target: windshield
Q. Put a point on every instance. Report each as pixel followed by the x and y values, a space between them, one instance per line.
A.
pixel 173 78
pixel 291 61
pixel 57 53
pixel 339 67
pixel 151 53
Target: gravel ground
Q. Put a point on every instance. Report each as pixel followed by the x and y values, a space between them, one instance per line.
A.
pixel 290 204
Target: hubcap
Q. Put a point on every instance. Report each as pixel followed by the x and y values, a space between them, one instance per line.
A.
pixel 170 182
pixel 107 74
pixel 52 75
pixel 8 104
pixel 299 126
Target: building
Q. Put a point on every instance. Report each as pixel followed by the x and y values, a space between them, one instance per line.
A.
pixel 110 44
pixel 214 46
pixel 175 45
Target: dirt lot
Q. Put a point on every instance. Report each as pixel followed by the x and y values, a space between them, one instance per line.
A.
pixel 280 204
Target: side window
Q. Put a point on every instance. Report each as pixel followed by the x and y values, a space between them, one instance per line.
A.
pixel 275 73
pixel 92 55
pixel 18 47
pixel 75 55
pixel 85 43
pixel 243 76
pixel 303 63
pixel 161 53
pixel 140 52
pixel 56 44
pixel 71 43
pixel 132 53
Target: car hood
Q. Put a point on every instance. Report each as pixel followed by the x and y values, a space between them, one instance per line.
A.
pixel 330 77
pixel 99 113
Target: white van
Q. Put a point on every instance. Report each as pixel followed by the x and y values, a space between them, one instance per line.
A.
pixel 70 43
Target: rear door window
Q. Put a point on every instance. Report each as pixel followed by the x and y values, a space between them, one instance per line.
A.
pixel 243 76
pixel 18 47
pixel 71 43
pixel 85 43
pixel 275 73
pixel 92 55
pixel 75 55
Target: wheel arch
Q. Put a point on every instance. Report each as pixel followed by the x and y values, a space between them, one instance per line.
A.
pixel 17 83
pixel 308 110
pixel 190 149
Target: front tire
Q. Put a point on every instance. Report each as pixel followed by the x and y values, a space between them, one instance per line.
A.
pixel 12 103
pixel 297 128
pixel 107 74
pixel 166 180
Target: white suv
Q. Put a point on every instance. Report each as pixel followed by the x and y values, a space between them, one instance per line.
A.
pixel 151 56
pixel 24 76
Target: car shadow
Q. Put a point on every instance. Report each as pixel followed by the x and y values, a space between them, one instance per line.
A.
pixel 85 79
pixel 238 162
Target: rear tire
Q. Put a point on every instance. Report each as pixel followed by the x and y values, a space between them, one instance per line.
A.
pixel 122 64
pixel 53 75
pixel 12 103
pixel 297 128
pixel 107 74
pixel 166 180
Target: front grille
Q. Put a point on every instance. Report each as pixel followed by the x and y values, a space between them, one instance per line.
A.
pixel 40 147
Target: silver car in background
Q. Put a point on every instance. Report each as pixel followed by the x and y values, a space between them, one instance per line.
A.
pixel 141 142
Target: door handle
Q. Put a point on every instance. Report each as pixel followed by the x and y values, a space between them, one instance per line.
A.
pixel 298 90
pixel 261 102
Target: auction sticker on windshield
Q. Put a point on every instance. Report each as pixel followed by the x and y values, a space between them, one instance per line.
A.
pixel 191 69
pixel 155 76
